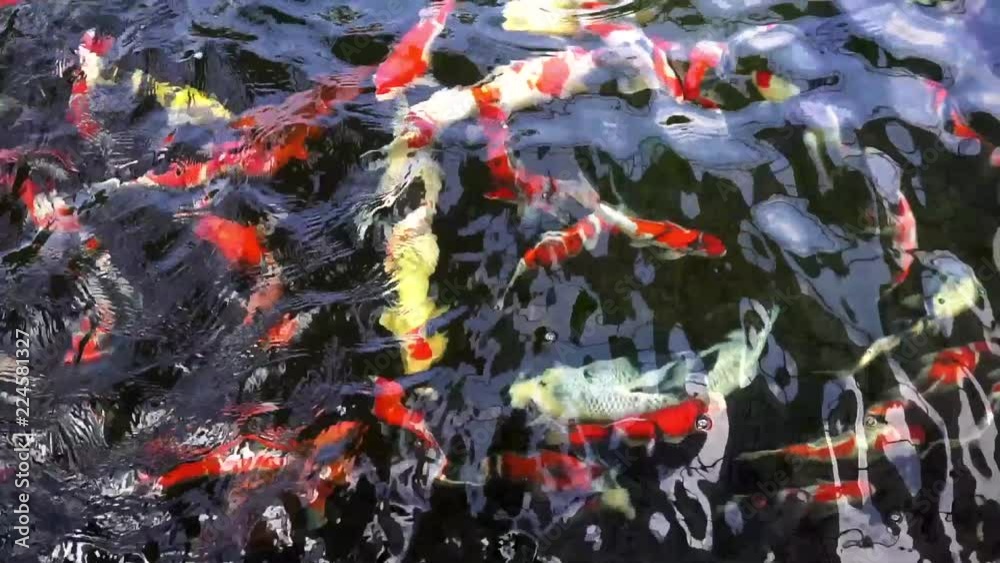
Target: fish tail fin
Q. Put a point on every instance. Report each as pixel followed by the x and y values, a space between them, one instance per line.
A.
pixel 522 267
pixel 759 454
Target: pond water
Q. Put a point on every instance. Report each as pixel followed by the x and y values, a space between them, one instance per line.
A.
pixel 524 280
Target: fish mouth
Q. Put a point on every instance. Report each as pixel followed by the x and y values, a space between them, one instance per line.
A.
pixel 521 393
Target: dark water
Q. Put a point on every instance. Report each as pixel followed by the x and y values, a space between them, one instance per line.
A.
pixel 803 192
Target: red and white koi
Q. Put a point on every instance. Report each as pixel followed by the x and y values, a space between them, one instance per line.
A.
pixel 704 56
pixel 558 246
pixel 235 457
pixel 844 446
pixel 389 409
pixel 92 50
pixel 519 85
pixel 945 105
pixel 410 59
pixel 672 240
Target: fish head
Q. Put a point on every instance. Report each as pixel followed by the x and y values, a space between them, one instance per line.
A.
pixel 544 392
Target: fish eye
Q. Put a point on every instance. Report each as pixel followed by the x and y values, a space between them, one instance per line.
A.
pixel 870 421
pixel 703 423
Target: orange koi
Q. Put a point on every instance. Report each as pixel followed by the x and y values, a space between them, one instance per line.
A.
pixel 331 474
pixel 181 175
pixel 411 57
pixel 553 471
pixel 238 244
pixel 282 332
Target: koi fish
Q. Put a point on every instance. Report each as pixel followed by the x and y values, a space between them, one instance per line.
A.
pixel 330 472
pixel 510 183
pixel 411 57
pixel 952 365
pixel 773 88
pixel 412 257
pixel 556 247
pixel 232 458
pixel 87 343
pixel 389 409
pixel 951 289
pixel 551 17
pixel 239 244
pixel 306 106
pixel 704 56
pixel 554 471
pixel 602 391
pixel 268 291
pixel 610 390
pixel 275 135
pixel 183 104
pixel 944 105
pixel 904 236
pixel 519 85
pixel 670 239
pixel 672 423
pixel 844 446
pixel 814 502
pixel 282 333
pixel 92 50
